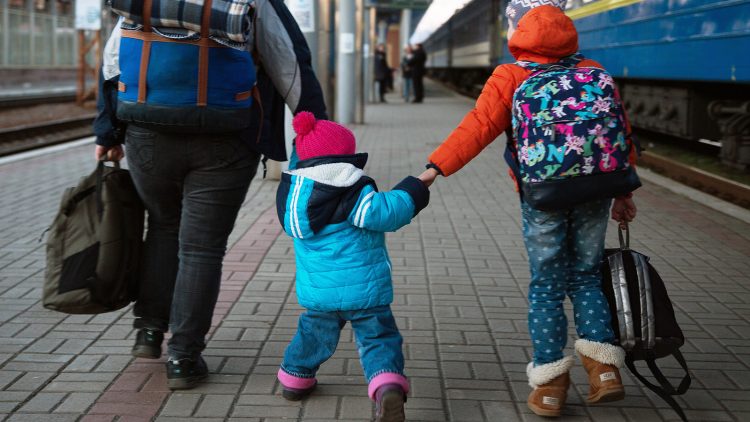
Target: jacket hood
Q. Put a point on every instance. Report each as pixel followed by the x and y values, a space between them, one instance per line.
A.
pixel 357 160
pixel 319 192
pixel 544 35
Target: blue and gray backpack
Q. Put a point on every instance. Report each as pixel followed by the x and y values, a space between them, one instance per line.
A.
pixel 183 81
pixel 569 143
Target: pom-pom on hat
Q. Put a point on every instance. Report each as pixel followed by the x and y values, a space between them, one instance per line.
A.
pixel 517 8
pixel 317 138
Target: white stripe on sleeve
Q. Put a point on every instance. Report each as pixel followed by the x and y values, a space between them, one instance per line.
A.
pixel 294 223
pixel 364 213
pixel 362 205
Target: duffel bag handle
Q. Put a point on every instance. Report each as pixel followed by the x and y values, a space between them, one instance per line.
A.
pixel 99 185
pixel 623 232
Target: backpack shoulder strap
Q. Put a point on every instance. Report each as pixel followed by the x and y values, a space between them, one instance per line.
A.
pixel 665 390
pixel 511 148
pixel 568 61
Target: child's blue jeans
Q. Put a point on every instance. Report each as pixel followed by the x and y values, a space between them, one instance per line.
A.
pixel 378 342
pixel 565 251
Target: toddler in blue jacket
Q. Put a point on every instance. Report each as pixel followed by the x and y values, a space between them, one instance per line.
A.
pixel 338 218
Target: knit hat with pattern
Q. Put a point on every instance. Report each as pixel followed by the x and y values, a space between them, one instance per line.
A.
pixel 316 138
pixel 517 8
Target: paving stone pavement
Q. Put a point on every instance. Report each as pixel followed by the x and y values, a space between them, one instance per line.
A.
pixel 460 277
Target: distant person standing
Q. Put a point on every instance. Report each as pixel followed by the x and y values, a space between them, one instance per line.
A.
pixel 406 72
pixel 382 71
pixel 417 72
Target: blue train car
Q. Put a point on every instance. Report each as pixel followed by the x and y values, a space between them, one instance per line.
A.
pixel 683 66
pixel 691 40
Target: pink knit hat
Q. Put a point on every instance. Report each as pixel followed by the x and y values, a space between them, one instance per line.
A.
pixel 316 138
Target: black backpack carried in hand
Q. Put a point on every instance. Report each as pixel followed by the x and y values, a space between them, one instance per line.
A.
pixel 643 318
pixel 94 245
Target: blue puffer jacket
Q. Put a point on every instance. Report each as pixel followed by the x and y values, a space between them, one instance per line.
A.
pixel 338 218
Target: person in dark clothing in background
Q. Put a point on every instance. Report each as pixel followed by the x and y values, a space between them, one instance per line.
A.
pixel 406 72
pixel 382 71
pixel 418 71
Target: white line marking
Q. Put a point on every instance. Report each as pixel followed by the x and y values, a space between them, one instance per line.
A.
pixel 48 150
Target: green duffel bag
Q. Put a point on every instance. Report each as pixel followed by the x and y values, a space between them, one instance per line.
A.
pixel 94 245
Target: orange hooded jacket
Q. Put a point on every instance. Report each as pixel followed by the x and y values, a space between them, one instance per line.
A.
pixel 544 35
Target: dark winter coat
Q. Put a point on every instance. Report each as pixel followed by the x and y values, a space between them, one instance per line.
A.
pixel 381 66
pixel 338 218
pixel 418 62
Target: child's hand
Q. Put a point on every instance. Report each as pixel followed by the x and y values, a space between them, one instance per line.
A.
pixel 428 176
pixel 623 210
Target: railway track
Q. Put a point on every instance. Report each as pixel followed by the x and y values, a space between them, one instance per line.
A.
pixel 27 137
pixel 728 190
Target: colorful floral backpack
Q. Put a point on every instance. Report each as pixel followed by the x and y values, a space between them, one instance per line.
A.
pixel 569 143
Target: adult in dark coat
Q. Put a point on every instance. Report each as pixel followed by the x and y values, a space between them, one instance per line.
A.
pixel 193 183
pixel 382 71
pixel 418 71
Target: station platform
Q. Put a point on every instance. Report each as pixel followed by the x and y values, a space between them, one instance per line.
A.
pixel 460 281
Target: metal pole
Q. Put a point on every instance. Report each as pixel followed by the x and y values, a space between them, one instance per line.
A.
pixel 360 71
pixel 366 53
pixel 371 57
pixel 6 34
pixel 55 56
pixel 382 31
pixel 405 27
pixel 32 32
pixel 404 34
pixel 346 62
pixel 81 67
pixel 72 22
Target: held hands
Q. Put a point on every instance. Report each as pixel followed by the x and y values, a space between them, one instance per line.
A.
pixel 623 210
pixel 114 153
pixel 428 176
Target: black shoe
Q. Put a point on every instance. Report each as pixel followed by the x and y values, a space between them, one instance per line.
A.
pixel 295 394
pixel 185 373
pixel 148 344
pixel 389 404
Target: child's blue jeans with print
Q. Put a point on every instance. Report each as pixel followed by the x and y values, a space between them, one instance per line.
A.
pixel 565 251
pixel 377 337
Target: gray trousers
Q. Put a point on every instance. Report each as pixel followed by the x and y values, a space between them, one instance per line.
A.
pixel 193 186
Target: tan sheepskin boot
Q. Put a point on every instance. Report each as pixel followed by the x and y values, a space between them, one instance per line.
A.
pixel 602 362
pixel 550 384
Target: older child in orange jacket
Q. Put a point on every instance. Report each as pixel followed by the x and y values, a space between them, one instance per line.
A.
pixel 565 247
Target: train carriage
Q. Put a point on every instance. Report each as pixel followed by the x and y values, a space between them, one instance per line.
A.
pixel 683 65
